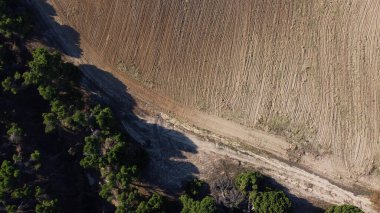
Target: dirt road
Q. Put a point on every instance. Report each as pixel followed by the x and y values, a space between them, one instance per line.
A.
pixel 267 152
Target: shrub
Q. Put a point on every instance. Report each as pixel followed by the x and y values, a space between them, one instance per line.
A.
pixel 7 85
pixel 271 202
pixel 193 187
pixel 91 153
pixel 248 181
pixel 103 117
pixel 50 121
pixel 155 204
pixel 344 209
pixel 206 205
pixel 125 176
pixel 35 156
pixel 47 92
pixel 15 133
pixel 8 176
pixel 47 206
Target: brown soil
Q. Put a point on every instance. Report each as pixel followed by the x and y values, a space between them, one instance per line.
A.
pixel 314 64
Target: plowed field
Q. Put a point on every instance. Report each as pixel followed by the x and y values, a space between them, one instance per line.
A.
pixel 308 71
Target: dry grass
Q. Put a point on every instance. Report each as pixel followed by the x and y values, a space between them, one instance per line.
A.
pixel 375 198
pixel 315 63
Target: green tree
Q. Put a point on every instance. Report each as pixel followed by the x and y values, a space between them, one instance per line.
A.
pixel 15 133
pixel 35 156
pixel 344 209
pixel 47 92
pixel 107 187
pixel 248 181
pixel 125 176
pixel 60 109
pixel 47 206
pixel 11 208
pixel 44 68
pixel 155 204
pixel 12 21
pixel 50 121
pixel 115 148
pixel 127 202
pixel 8 176
pixel 193 187
pixel 103 117
pixel 17 76
pixel 21 193
pixel 7 85
pixel 91 153
pixel 271 202
pixel 79 120
pixel 206 205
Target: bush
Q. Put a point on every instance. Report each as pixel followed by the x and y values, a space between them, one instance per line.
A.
pixel 127 202
pixel 7 85
pixel 47 206
pixel 44 68
pixel 206 205
pixel 344 209
pixel 35 156
pixel 193 187
pixel 271 202
pixel 248 181
pixel 155 204
pixel 15 133
pixel 12 21
pixel 21 193
pixel 79 120
pixel 115 149
pixel 47 92
pixel 125 176
pixel 8 176
pixel 106 188
pixel 60 109
pixel 50 121
pixel 91 153
pixel 103 117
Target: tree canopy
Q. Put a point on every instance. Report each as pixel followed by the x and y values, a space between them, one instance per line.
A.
pixel 344 209
pixel 206 205
pixel 271 202
pixel 248 181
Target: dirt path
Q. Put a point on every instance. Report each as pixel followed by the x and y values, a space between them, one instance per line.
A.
pixel 272 150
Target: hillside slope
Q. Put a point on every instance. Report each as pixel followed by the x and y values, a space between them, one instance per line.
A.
pixel 306 70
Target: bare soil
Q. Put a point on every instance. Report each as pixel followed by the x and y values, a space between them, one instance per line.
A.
pixel 306 70
pixel 288 87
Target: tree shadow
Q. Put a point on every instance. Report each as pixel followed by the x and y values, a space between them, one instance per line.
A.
pixel 167 148
pixel 299 205
pixel 52 33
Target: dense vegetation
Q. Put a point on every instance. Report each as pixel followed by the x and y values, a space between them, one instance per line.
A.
pixel 62 151
pixel 44 115
pixel 262 199
pixel 344 209
pixel 194 201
